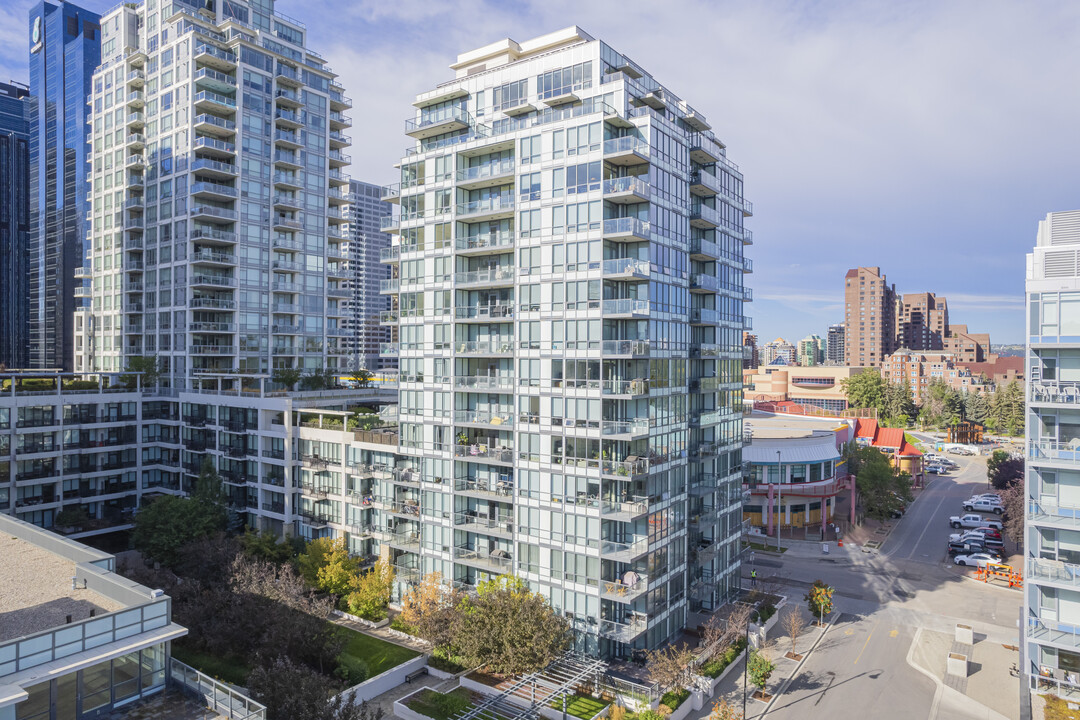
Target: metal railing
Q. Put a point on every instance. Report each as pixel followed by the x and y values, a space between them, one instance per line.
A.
pixel 216 695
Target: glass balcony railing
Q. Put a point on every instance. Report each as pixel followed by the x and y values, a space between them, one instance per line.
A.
pixel 626 306
pixel 485 171
pixel 493 241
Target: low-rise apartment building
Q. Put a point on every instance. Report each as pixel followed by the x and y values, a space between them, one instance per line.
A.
pixel 818 386
pixel 917 370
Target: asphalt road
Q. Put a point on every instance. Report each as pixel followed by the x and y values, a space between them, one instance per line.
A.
pixel 883 597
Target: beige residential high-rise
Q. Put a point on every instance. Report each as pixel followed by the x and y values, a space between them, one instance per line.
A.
pixel 922 321
pixel 869 317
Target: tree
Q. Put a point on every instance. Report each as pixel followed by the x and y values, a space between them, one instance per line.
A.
pixel 1002 469
pixel 976 407
pixel 362 377
pixel 897 403
pixel 369 592
pixel 883 488
pixel 336 574
pixel 288 377
pixel 294 692
pixel 723 710
pixel 794 623
pixel 865 390
pixel 819 600
pixel 314 557
pixel 1007 409
pixel 759 669
pixel 430 609
pixel 163 526
pixel 148 366
pixel 510 630
pixel 268 546
pixel 667 667
pixel 1014 502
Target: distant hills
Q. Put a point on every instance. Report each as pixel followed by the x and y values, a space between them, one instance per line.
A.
pixel 1008 350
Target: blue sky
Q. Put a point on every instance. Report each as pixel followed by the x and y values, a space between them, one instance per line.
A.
pixel 924 137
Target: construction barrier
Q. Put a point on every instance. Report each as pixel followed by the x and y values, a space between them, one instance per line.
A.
pixel 996 571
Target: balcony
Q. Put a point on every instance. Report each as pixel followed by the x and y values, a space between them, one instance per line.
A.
pixel 703 283
pixel 135 162
pixel 391 193
pixel 486 175
pixel 491 277
pixel 215 168
pixel 338 101
pixel 444 120
pixel 214 191
pixel 1050 452
pixel 625 348
pixel 338 159
pixel 489 562
pixel 136 141
pixel 288 75
pixel 390 223
pixel 211 213
pixel 494 383
pixel 286 222
pixel 486 418
pixel 626 307
pixel 287 97
pixel 389 317
pixel 1053 392
pixel 704 217
pixel 501 525
pixel 136 78
pixel 213 125
pixel 207 101
pixel 630 388
pixel 627 229
pixel 485 348
pixel 623 552
pixel 624 632
pixel 622 591
pixel 390 254
pixel 211 303
pixel 215 80
pixel 213 236
pixel 625 429
pixel 625 510
pixel 199 280
pixel 704 184
pixel 626 151
pixel 492 208
pixel 491 243
pixel 626 269
pixel 209 257
pixel 339 140
pixel 215 147
pixel 215 57
pixel 287 159
pixel 704 149
pixel 135 121
pixel 704 316
pixel 627 190
pixel 211 349
pixel 287 118
pixel 496 312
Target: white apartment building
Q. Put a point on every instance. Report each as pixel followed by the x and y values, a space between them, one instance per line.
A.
pixel 218 194
pixel 1051 653
pixel 569 302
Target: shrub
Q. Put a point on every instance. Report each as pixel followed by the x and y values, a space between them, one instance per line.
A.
pixel 440 661
pixel 672 699
pixel 650 715
pixel 450 705
pixel 716 666
pixel 401 626
pixel 765 612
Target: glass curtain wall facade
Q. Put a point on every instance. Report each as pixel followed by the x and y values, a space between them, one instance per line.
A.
pixel 369 341
pixel 569 300
pixel 219 194
pixel 65 47
pixel 14 225
pixel 1052 536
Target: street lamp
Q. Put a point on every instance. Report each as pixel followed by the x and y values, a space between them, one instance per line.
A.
pixel 746 661
pixel 779 497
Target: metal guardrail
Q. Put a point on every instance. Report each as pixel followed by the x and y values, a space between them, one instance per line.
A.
pixel 217 696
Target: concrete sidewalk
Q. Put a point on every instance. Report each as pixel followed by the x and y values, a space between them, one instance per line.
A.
pixel 988 692
pixel 777 644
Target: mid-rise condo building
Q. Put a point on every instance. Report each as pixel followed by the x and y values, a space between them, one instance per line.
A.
pixel 369 342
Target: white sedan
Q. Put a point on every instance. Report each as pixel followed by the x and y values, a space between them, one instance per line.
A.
pixel 976 560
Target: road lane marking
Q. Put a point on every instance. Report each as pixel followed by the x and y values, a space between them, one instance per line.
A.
pixel 849 632
pixel 865 644
pixel 894 633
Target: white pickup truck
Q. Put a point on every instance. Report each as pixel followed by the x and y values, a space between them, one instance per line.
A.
pixel 983 505
pixel 971 520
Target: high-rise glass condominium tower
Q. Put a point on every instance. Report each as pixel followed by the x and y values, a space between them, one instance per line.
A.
pixel 65 48
pixel 1051 534
pixel 369 340
pixel 218 193
pixel 14 224
pixel 568 292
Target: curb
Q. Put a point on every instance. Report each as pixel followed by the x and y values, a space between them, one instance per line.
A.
pixel 795 672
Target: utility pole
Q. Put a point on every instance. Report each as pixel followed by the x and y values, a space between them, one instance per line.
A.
pixel 779 497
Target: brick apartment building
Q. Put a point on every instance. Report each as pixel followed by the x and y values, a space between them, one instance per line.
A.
pixel 869 317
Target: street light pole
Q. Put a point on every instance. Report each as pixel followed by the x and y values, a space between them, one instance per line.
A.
pixel 746 661
pixel 779 497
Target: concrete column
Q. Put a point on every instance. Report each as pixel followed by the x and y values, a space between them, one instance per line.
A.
pixel 769 511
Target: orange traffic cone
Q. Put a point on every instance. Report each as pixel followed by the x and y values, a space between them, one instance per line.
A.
pixel 839 542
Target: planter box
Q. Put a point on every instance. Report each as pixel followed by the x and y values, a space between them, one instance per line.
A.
pixel 388 680
pixel 549 713
pixel 441 674
pixel 713 683
pixel 404 712
pixel 687 707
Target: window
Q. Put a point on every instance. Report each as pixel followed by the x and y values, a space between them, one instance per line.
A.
pixel 530 150
pixel 530 186
pixel 555 83
pixel 510 95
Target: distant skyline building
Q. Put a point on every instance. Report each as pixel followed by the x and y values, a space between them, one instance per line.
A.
pixel 777 352
pixel 369 342
pixel 65 49
pixel 811 351
pixel 968 347
pixel 834 345
pixel 922 321
pixel 750 351
pixel 14 224
pixel 869 317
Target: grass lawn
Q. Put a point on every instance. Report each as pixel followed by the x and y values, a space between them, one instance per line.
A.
pixel 580 706
pixel 366 652
pixel 231 671
pixel 439 706
pixel 1057 708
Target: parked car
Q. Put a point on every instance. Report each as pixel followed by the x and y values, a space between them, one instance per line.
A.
pixel 988 532
pixel 937 469
pixel 984 505
pixel 972 520
pixel 976 559
pixel 994 497
pixel 966 548
pixel 960 451
pixel 973 536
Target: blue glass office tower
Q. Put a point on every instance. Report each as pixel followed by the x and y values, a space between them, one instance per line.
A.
pixel 14 223
pixel 65 49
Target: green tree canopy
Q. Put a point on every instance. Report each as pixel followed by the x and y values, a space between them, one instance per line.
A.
pixel 882 488
pixel 865 390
